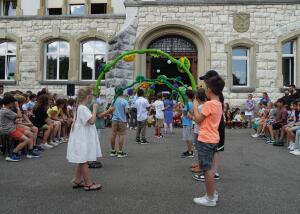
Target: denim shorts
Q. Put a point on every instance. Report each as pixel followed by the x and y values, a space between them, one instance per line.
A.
pixel 206 153
pixel 187 133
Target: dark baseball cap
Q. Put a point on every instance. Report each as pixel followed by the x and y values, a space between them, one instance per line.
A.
pixel 209 74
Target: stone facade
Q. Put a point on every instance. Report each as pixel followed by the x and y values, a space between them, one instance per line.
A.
pixel 209 24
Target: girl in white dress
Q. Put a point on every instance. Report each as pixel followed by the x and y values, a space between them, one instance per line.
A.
pixel 84 143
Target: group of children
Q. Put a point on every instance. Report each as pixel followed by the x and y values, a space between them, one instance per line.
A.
pixel 25 116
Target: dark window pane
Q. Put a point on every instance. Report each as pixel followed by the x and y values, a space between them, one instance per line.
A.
pixel 239 72
pixel 54 11
pixel 288 48
pixel 239 52
pixel 98 8
pixel 87 67
pixel 2 67
pixel 52 47
pixel 77 9
pixel 288 70
pixel 51 72
pixel 99 60
pixel 63 67
pixel 11 67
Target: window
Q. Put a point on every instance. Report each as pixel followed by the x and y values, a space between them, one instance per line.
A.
pixel 54 11
pixel 9 7
pixel 57 60
pixel 240 66
pixel 289 63
pixel 8 60
pixel 92 57
pixel 99 8
pixel 76 9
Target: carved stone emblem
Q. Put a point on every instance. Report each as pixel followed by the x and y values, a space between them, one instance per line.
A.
pixel 241 22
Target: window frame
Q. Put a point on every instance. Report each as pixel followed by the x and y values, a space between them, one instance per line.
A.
pixel 241 58
pixel 57 55
pixel 294 56
pixel 94 54
pixel 6 57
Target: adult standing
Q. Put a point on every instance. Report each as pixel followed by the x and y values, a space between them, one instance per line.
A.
pixel 133 111
pixel 249 109
pixel 168 114
pixel 142 106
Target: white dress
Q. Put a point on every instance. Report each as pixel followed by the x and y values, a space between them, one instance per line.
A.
pixel 83 143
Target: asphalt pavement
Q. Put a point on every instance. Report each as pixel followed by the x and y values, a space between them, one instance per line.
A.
pixel 255 178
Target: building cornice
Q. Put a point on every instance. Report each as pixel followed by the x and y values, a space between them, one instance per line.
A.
pixel 139 3
pixel 63 17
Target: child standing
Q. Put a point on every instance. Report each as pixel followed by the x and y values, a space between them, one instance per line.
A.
pixel 208 139
pixel 159 115
pixel 187 123
pixel 84 143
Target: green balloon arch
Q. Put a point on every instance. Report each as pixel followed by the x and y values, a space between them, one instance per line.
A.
pixel 183 64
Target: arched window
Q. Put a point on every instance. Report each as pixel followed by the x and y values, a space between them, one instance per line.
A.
pixel 240 66
pixel 7 60
pixel 289 63
pixel 93 54
pixel 57 60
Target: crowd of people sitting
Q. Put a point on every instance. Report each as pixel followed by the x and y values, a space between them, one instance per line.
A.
pixel 25 117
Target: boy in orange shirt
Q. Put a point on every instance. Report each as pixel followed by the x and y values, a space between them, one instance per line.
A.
pixel 208 138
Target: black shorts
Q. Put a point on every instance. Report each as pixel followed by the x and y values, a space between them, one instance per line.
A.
pixel 276 126
pixel 221 145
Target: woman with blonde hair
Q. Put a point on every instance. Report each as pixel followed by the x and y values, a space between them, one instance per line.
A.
pixel 84 145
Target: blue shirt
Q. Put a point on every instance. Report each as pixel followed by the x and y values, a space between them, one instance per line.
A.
pixel 185 120
pixel 119 114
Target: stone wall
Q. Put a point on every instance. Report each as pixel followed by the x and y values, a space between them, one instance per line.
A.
pixel 268 23
pixel 30 30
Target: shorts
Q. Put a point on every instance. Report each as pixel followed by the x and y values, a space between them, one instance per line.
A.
pixel 118 128
pixel 270 122
pixel 160 123
pixel 206 152
pixel 221 145
pixel 276 126
pixel 187 133
pixel 17 134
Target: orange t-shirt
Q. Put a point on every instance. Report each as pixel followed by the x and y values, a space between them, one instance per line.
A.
pixel 208 130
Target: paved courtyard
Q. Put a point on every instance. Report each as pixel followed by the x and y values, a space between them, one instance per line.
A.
pixel 255 178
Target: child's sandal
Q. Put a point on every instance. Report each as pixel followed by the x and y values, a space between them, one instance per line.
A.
pixel 78 185
pixel 92 188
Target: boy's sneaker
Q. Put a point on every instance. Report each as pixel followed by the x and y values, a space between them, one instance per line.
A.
pixel 137 141
pixel 201 177
pixel 187 154
pixel 39 148
pixel 122 154
pixel 33 154
pixel 144 142
pixel 278 143
pixel 206 201
pixel 113 153
pixel 255 135
pixel 53 143
pixel 295 152
pixel 13 158
pixel 46 146
pixel 270 142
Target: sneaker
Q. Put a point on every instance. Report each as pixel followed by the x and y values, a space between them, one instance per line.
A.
pixel 295 152
pixel 292 147
pixel 53 143
pixel 255 135
pixel 113 153
pixel 278 143
pixel 270 142
pixel 206 201
pixel 121 154
pixel 201 177
pixel 144 143
pixel 33 154
pixel 39 148
pixel 137 141
pixel 46 146
pixel 13 158
pixel 187 154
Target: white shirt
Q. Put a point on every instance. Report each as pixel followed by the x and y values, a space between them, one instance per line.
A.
pixel 196 127
pixel 159 107
pixel 141 105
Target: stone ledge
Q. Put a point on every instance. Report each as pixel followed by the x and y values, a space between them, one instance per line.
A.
pixel 237 89
pixel 8 82
pixel 63 17
pixel 135 3
pixel 53 82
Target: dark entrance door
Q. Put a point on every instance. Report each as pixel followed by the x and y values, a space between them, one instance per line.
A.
pixel 177 46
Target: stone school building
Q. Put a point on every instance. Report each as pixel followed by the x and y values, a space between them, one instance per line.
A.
pixel 253 44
